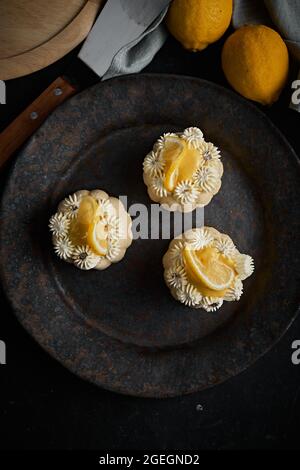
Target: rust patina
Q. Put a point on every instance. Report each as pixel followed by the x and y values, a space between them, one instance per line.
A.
pixel 120 328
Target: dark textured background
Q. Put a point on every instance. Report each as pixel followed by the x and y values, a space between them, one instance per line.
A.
pixel 43 406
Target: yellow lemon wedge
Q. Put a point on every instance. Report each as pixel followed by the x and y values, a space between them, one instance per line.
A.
pixel 189 164
pixel 87 228
pixel 181 162
pixel 172 174
pixel 97 238
pixel 206 267
pixel 87 211
pixel 78 232
pixel 173 147
pixel 172 154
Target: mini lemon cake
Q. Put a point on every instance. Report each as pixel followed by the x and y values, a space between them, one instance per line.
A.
pixel 183 171
pixel 91 230
pixel 203 268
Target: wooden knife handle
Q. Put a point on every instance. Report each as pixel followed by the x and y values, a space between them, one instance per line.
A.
pixel 14 136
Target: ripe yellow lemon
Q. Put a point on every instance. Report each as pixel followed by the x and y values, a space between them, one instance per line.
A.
pixel 255 61
pixel 198 23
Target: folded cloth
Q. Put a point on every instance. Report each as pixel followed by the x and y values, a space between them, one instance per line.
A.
pixel 133 57
pixel 281 15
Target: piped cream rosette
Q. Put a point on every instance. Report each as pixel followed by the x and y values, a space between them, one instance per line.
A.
pixel 91 230
pixel 203 268
pixel 183 171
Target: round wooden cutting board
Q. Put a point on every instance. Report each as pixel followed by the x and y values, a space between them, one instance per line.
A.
pixel 34 34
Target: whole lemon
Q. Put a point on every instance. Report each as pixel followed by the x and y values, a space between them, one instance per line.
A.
pixel 198 23
pixel 255 61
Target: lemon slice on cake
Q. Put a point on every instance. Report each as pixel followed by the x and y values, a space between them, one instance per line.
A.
pixel 87 228
pixel 207 268
pixel 203 269
pixel 97 238
pixel 87 210
pixel 173 154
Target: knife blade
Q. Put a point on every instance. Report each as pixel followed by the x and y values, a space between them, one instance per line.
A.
pixel 120 23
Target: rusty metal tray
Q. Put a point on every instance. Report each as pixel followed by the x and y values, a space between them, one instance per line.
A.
pixel 120 328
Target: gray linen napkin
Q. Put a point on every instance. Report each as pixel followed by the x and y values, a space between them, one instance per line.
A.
pixel 283 15
pixel 133 57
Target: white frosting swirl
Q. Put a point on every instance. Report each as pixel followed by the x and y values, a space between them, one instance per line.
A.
pixel 225 246
pixel 211 304
pixel 209 152
pixel 244 266
pixel 158 187
pixel 153 164
pixel 59 224
pixel 84 258
pixel 176 252
pixel 176 277
pixel 186 192
pixel 113 249
pixel 70 205
pixel 189 296
pixel 63 247
pixel 198 239
pixel 206 179
pixel 235 292
pixel 193 136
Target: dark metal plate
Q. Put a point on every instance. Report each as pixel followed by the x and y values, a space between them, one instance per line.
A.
pixel 120 328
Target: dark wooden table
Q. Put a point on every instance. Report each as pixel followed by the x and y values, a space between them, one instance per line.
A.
pixel 43 406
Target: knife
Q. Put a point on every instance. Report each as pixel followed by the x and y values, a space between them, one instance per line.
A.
pixel 120 22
